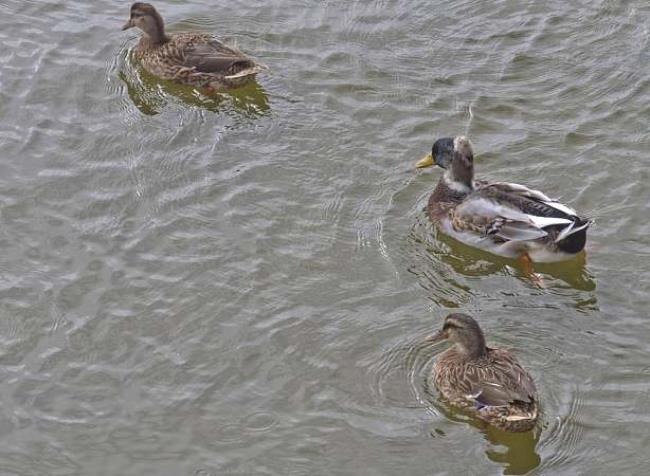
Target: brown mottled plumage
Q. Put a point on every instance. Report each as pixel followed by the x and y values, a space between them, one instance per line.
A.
pixel 196 59
pixel 503 218
pixel 488 383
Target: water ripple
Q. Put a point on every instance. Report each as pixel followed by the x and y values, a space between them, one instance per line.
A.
pixel 241 283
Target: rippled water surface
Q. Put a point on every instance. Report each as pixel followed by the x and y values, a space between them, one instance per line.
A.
pixel 241 284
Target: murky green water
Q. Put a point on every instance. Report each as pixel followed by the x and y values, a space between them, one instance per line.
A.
pixel 241 284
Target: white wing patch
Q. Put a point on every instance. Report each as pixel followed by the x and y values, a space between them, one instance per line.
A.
pixel 491 209
pixel 518 417
pixel 523 190
pixel 561 207
pixel 542 222
pixel 537 195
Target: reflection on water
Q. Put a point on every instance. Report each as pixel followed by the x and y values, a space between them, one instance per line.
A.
pixel 516 452
pixel 151 94
pixel 437 247
pixel 454 274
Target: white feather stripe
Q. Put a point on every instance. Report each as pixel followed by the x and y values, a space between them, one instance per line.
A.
pixel 523 190
pixel 519 417
pixel 571 230
pixel 474 396
pixel 542 222
pixel 561 207
pixel 566 231
pixel 245 72
pixel 537 195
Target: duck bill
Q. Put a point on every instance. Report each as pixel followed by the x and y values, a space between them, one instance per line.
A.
pixel 127 25
pixel 437 337
pixel 426 161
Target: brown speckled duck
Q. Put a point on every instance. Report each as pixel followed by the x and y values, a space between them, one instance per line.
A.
pixel 503 218
pixel 487 383
pixel 192 58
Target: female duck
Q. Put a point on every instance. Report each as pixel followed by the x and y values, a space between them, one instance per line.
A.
pixel 196 59
pixel 488 383
pixel 503 218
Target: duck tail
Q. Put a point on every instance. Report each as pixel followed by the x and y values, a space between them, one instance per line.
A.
pixel 573 237
pixel 574 227
pixel 249 71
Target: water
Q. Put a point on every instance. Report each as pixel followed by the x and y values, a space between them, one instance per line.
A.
pixel 241 285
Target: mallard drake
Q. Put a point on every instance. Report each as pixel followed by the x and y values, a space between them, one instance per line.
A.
pixel 505 219
pixel 192 58
pixel 487 383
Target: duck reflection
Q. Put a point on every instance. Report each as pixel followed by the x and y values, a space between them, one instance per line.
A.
pixel 471 262
pixel 151 94
pixel 515 452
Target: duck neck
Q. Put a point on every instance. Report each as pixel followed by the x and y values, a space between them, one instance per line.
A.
pixel 461 172
pixel 155 34
pixel 472 346
pixel 459 184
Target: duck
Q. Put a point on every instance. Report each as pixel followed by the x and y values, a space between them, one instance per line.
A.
pixel 487 383
pixel 502 218
pixel 191 58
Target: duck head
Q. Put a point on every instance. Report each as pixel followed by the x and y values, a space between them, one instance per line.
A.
pixel 146 18
pixel 464 332
pixel 456 156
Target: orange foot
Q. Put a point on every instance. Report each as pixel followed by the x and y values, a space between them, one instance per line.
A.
pixel 535 278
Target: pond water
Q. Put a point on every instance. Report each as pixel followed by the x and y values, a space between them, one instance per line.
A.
pixel 241 284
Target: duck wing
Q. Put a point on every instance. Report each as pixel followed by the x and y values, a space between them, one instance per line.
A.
pixel 212 56
pixel 503 382
pixel 528 200
pixel 513 212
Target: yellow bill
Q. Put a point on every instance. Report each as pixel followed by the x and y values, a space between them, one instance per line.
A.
pixel 426 161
